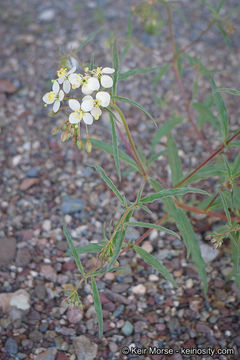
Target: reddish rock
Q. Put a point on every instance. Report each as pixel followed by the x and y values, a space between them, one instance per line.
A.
pixel 27 183
pixel 69 266
pixel 8 250
pixel 7 87
pixel 61 356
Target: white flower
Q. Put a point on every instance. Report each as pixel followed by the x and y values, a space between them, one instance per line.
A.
pixel 78 114
pixel 63 78
pixel 87 103
pixel 106 81
pixel 54 97
pixel 96 112
pixel 75 80
pixel 108 70
pixel 104 98
pixel 89 85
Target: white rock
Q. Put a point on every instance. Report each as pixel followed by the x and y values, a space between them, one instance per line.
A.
pixel 84 348
pixel 208 252
pixel 139 289
pixel 16 160
pixel 147 246
pixel 47 15
pixel 19 299
pixel 47 225
pixel 153 277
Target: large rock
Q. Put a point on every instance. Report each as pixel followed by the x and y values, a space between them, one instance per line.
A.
pixel 19 299
pixel 84 348
pixel 71 205
pixel 50 354
pixel 208 252
pixel 8 250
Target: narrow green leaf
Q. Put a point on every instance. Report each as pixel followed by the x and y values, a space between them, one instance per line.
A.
pixel 225 206
pixel 171 192
pixel 119 242
pixel 109 182
pixel 145 208
pixel 98 306
pixel 140 107
pixel 122 155
pixel 224 34
pixel 228 91
pixel 165 129
pixel 115 146
pixel 236 164
pixel 228 168
pixel 204 111
pixel 206 172
pixel 156 185
pixel 90 248
pixel 73 250
pixel 88 39
pixel 156 156
pixel 174 160
pixel 124 52
pixel 116 67
pixel 153 226
pixel 189 237
pixel 92 62
pixel 220 5
pixel 127 74
pixel 222 112
pixel 151 260
pixel 161 72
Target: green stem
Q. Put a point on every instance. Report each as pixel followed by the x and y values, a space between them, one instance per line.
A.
pixel 130 139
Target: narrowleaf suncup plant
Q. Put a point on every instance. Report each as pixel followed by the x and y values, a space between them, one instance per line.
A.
pixel 83 93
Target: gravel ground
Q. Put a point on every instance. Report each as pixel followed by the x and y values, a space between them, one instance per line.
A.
pixel 42 178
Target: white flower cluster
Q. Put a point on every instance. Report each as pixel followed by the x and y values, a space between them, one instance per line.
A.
pixel 89 107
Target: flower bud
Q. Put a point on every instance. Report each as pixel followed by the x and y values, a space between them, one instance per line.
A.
pixel 88 146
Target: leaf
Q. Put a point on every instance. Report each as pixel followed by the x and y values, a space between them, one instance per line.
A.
pixel 220 5
pixel 119 241
pixel 88 39
pixel 170 192
pixel 222 112
pixel 124 52
pixel 153 226
pixel 225 206
pixel 115 146
pixel 116 67
pixel 92 62
pixel 174 160
pixel 165 129
pixel 189 237
pixel 160 74
pixel 90 248
pixel 206 172
pixel 108 148
pixel 127 74
pixel 73 250
pixel 228 91
pixel 140 107
pixel 205 112
pixel 224 34
pixel 236 164
pixel 98 306
pixel 109 182
pixel 156 156
pixel 151 260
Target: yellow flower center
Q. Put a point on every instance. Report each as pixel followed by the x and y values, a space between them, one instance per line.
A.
pixel 97 103
pixel 78 114
pixel 61 72
pixel 51 96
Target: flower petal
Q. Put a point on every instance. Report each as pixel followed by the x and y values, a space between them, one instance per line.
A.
pixel 96 112
pixel 74 104
pixel 61 79
pixel 55 87
pixel 66 86
pixel 104 98
pixel 87 97
pixel 106 81
pixel 72 70
pixel 61 95
pixel 46 99
pixel 87 105
pixel 87 118
pixel 108 70
pixel 93 83
pixel 86 90
pixel 56 105
pixel 75 80
pixel 73 118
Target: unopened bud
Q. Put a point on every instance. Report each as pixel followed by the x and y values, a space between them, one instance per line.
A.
pixel 79 144
pixel 88 146
pixel 64 136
